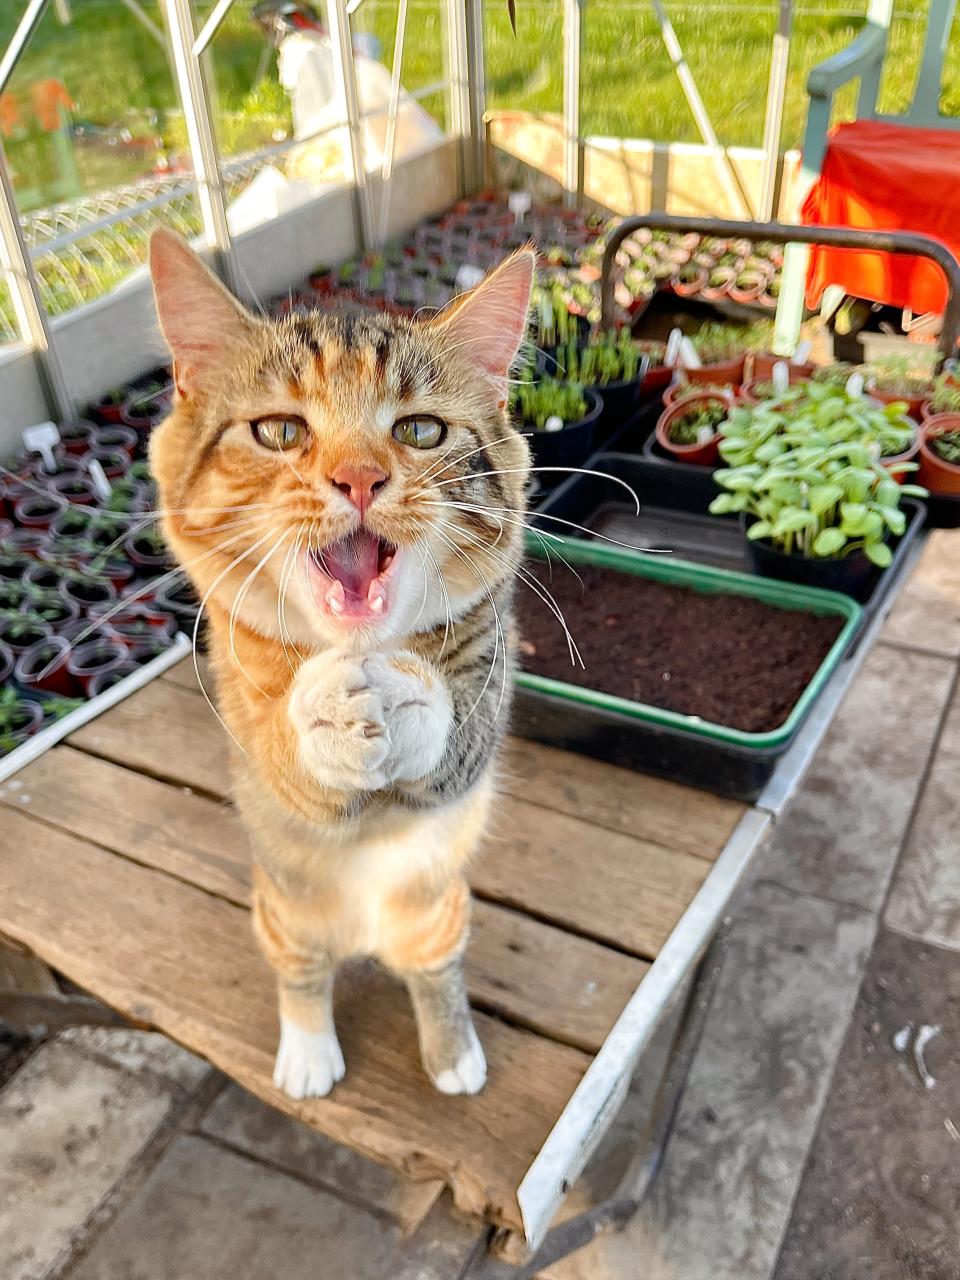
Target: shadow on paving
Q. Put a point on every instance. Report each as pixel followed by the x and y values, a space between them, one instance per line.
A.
pixel 880 1196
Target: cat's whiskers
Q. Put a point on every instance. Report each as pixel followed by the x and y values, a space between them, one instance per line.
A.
pixel 286 573
pixel 508 471
pixel 571 524
pixel 499 638
pixel 432 471
pixel 241 594
pixel 513 518
pixel 448 626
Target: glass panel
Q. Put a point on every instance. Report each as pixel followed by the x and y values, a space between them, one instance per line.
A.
pixel 92 130
pixel 421 118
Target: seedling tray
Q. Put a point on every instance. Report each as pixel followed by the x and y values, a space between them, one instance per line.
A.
pixel 943 511
pixel 674 517
pixel 682 747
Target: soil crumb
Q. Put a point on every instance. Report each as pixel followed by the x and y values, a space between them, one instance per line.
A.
pixel 726 658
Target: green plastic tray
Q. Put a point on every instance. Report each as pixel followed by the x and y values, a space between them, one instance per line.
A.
pixel 773 591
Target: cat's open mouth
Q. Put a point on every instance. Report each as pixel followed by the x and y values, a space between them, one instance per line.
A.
pixel 350 578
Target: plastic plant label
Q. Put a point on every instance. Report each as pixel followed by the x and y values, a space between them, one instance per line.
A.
pixel 855 384
pixel 98 478
pixel 673 347
pixel 469 275
pixel 519 202
pixel 688 354
pixel 781 377
pixel 802 353
pixel 704 435
pixel 553 423
pixel 43 439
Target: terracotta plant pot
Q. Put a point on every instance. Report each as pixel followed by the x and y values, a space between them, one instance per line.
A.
pixel 78 436
pixel 680 389
pixel 721 374
pixel 894 463
pixel 705 454
pixel 747 286
pixel 45 666
pixel 691 287
pixel 761 366
pixel 715 288
pixel 936 474
pixel 748 391
pixel 914 403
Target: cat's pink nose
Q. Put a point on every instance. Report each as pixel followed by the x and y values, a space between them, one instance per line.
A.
pixel 360 484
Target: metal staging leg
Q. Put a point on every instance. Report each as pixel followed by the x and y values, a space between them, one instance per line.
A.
pixel 641 1173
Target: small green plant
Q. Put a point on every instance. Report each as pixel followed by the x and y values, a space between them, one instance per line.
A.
pixel 56 708
pixel 717 342
pixel 536 402
pixel 810 474
pixel 606 357
pixel 699 424
pixel 947 445
pixel 14 717
pixel 17 625
pixel 555 323
pixel 900 375
pixel 945 397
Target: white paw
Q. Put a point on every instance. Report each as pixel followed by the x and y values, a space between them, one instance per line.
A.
pixel 470 1073
pixel 309 1063
pixel 417 711
pixel 339 719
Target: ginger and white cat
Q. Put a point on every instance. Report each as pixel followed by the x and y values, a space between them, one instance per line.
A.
pixel 346 494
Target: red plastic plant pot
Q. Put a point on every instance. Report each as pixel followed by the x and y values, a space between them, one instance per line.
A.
pixel 76 488
pixel 115 462
pixel 896 461
pixel 96 657
pixel 36 512
pixel 141 550
pixel 146 650
pixel 705 453
pixel 6 528
pixel 136 631
pixel 105 680
pixel 28 543
pixel 13 565
pixel 65 464
pixel 117 569
pixel 689 288
pixel 55 609
pixel 718 283
pixel 44 575
pixel 18 631
pixel 761 366
pixel 914 403
pixel 25 721
pixel 77 437
pixel 927 410
pixel 7 660
pixel 682 390
pixel 46 666
pixel 750 390
pixel 87 591
pixel 747 287
pixel 935 473
pixel 115 437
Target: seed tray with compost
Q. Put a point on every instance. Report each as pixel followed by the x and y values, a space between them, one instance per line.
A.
pixel 697 673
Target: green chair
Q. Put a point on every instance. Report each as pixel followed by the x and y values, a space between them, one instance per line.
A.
pixel 863 61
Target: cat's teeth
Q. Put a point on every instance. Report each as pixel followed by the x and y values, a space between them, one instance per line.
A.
pixel 376 596
pixel 335 597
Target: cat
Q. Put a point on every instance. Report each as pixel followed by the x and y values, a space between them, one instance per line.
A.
pixel 346 493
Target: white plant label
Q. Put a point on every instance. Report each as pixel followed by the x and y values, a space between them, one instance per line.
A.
pixel 704 435
pixel 855 384
pixel 519 202
pixel 43 439
pixel 688 354
pixel 781 377
pixel 802 353
pixel 98 478
pixel 468 275
pixel 673 347
pixel 553 423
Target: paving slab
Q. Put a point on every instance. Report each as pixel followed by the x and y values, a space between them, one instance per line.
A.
pixel 208 1212
pixel 141 1051
pixel 880 1198
pixel 70 1127
pixel 842 833
pixel 789 982
pixel 925 895
pixel 927 613
pixel 243 1121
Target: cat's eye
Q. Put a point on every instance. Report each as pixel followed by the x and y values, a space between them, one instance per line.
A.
pixel 279 433
pixel 420 431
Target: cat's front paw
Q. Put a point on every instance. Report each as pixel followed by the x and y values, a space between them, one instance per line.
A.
pixel 309 1063
pixel 466 1072
pixel 417 712
pixel 338 714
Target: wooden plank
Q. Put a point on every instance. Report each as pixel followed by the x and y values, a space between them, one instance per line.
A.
pixel 560 985
pixel 173 957
pixel 183 675
pixel 626 892
pixel 547 864
pixel 635 804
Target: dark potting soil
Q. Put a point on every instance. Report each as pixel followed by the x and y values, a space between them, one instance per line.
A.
pixel 729 659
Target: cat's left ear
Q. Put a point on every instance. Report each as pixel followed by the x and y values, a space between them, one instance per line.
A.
pixel 489 323
pixel 202 322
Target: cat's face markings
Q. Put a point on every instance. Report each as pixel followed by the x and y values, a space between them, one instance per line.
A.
pixel 351 454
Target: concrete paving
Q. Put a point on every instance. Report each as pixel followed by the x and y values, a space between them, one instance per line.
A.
pixel 808 1147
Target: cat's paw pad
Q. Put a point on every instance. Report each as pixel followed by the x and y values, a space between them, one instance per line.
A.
pixel 468 1074
pixel 418 712
pixel 339 718
pixel 309 1063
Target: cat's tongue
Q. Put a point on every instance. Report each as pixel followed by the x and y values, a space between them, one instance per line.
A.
pixel 351 575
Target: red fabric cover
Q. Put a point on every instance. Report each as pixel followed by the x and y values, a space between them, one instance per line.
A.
pixel 886 177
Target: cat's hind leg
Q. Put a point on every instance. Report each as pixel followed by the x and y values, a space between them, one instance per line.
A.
pixel 424 945
pixel 309 1061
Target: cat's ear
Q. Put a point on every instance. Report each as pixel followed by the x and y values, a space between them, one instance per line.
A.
pixel 202 322
pixel 489 323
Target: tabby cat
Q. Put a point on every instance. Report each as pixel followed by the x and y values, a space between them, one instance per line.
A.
pixel 346 494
